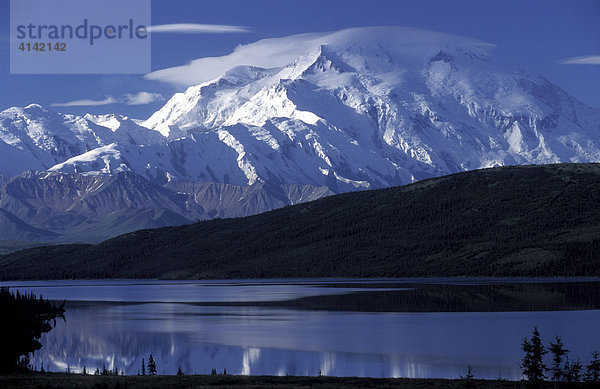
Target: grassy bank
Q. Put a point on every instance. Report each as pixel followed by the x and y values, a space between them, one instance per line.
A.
pixel 60 380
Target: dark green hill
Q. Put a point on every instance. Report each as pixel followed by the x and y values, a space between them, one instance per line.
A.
pixel 526 221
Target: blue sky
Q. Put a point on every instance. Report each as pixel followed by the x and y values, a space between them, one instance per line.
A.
pixel 536 35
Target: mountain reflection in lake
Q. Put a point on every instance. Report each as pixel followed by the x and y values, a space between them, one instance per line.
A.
pixel 428 328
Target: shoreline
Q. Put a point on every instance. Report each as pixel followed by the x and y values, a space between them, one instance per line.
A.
pixel 304 280
pixel 64 380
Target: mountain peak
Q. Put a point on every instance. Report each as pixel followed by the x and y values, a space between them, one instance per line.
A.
pixel 442 56
pixel 374 106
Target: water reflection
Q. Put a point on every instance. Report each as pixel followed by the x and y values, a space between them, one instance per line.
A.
pixel 249 340
pixel 387 328
pixel 180 291
pixel 454 297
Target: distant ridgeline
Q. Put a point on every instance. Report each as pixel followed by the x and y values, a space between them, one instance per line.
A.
pixel 24 319
pixel 510 221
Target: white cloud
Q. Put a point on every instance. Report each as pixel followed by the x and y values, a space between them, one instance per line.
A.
pixel 86 102
pixel 142 98
pixel 189 28
pixel 139 98
pixel 584 60
pixel 278 52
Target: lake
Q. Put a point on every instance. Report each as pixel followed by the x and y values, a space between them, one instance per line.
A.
pixel 377 328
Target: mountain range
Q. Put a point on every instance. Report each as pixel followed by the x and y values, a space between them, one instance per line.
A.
pixel 533 221
pixel 70 207
pixel 288 120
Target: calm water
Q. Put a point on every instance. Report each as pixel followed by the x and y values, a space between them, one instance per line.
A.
pixel 341 328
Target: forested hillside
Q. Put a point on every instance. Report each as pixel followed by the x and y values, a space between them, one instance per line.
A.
pixel 526 221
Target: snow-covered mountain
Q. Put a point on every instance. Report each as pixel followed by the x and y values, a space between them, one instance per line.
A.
pixel 35 138
pixel 373 107
pixel 354 109
pixel 358 108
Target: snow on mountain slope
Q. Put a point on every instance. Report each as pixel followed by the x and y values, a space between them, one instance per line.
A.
pixel 35 138
pixel 354 109
pixel 125 130
pixel 374 107
pixel 101 160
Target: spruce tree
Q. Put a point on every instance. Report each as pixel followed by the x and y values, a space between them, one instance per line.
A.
pixel 558 350
pixel 151 366
pixel 468 378
pixel 532 364
pixel 143 367
pixel 592 373
pixel 577 368
pixel 573 371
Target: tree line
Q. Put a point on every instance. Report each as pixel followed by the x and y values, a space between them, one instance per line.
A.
pixel 561 368
pixel 25 317
pixel 513 221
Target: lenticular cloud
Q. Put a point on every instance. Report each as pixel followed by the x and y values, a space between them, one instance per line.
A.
pixel 276 52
